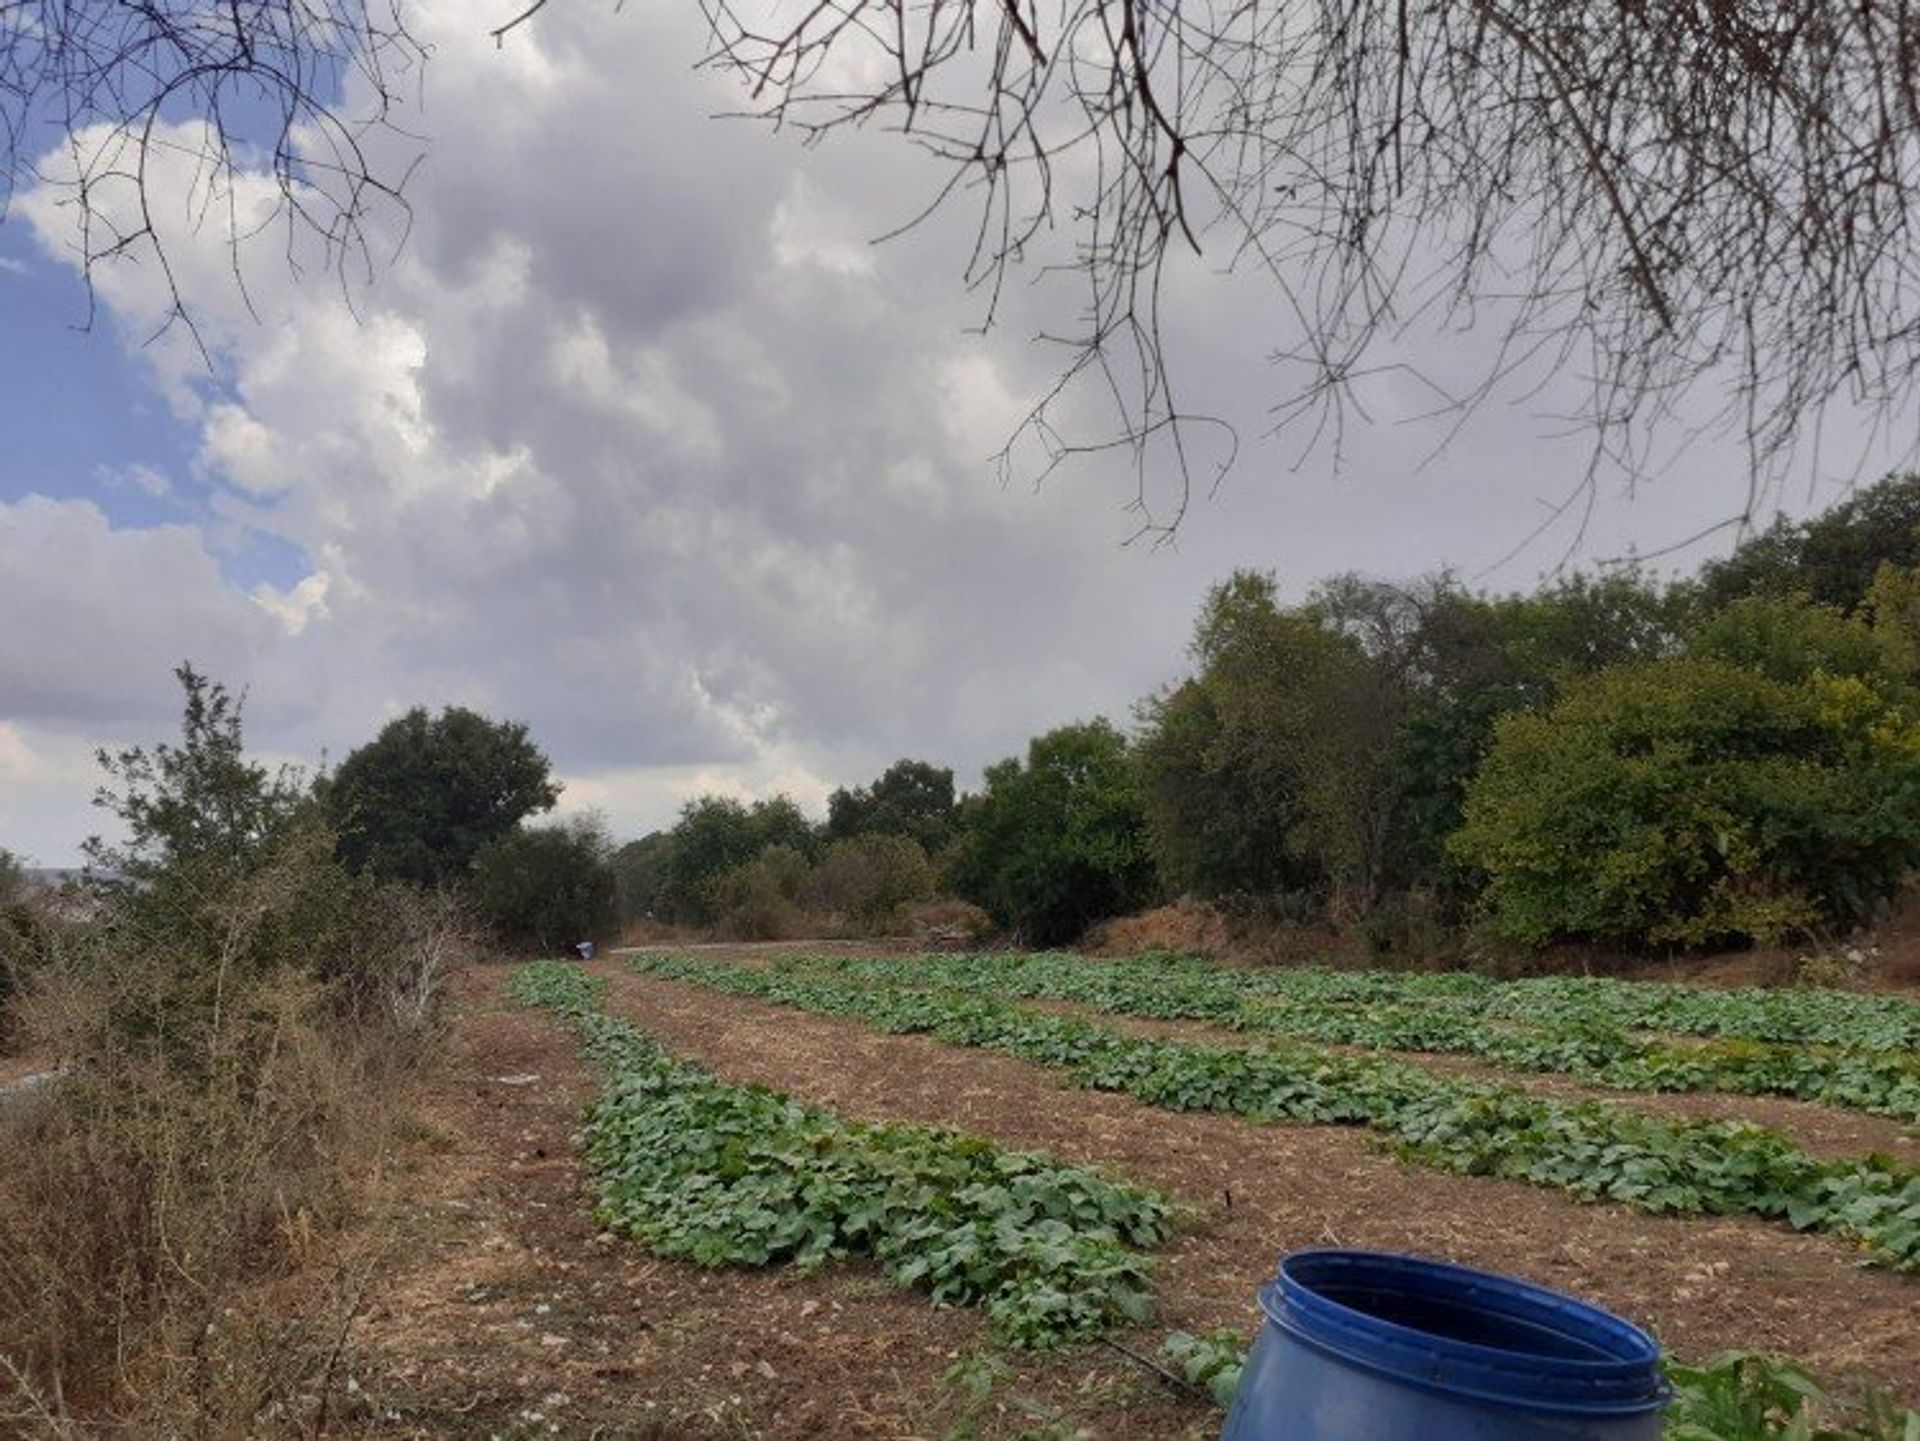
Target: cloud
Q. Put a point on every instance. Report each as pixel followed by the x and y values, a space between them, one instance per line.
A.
pixel 638 440
pixel 99 615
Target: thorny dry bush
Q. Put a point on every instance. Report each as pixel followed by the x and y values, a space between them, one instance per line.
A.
pixel 191 1216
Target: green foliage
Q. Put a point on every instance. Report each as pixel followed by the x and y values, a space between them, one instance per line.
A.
pixel 1693 801
pixel 1831 558
pixel 697 1169
pixel 715 835
pixel 871 879
pixel 1211 1362
pixel 1841 1048
pixel 226 881
pixel 1791 639
pixel 1591 1150
pixel 197 816
pixel 1059 841
pixel 759 900
pixel 1742 1396
pixel 911 798
pixel 639 877
pixel 544 888
pixel 1478 658
pixel 419 801
pixel 1269 770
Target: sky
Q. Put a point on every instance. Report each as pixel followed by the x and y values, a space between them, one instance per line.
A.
pixel 634 434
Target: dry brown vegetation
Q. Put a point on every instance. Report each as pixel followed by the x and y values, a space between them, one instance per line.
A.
pixel 187 1234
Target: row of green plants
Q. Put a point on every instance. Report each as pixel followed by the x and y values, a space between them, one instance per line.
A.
pixel 1860 1020
pixel 1583 1036
pixel 718 1174
pixel 1591 1150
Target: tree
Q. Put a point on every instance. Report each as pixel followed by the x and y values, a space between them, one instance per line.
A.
pixel 1059 841
pixel 1695 802
pixel 546 887
pixel 1831 558
pixel 639 876
pixel 1792 639
pixel 419 801
pixel 871 879
pixel 718 834
pixel 1645 197
pixel 911 798
pixel 1271 770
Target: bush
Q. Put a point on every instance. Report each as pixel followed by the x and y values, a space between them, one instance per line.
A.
pixel 760 900
pixel 871 880
pixel 233 1020
pixel 715 835
pixel 546 887
pixel 1059 841
pixel 1694 802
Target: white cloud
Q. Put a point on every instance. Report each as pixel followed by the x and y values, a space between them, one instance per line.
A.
pixel 639 441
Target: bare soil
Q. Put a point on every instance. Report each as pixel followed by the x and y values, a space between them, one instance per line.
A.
pixel 513 1315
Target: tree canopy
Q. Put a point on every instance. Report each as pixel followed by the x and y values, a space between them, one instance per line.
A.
pixel 419 801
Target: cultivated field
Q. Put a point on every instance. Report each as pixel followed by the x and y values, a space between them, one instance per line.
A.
pixel 1141 1140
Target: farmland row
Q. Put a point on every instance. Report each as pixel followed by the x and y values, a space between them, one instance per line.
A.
pixel 1584 1041
pixel 698 1169
pixel 1591 1150
pixel 1810 1016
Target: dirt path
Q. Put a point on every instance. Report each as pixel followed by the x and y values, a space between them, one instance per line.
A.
pixel 1703 1285
pixel 512 1313
pixel 1827 1131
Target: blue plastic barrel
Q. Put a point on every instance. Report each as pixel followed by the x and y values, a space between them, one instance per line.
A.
pixel 1368 1346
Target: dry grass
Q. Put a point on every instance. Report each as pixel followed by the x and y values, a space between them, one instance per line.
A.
pixel 186 1231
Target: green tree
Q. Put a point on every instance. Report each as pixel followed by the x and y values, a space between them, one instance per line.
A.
pixel 1477 658
pixel 1270 770
pixel 911 798
pixel 871 879
pixel 717 834
pixel 198 813
pixel 546 887
pixel 1792 638
pixel 1058 841
pixel 419 801
pixel 1695 802
pixel 1831 558
pixel 639 876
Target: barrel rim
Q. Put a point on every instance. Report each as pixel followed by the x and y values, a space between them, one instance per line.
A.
pixel 1626 1381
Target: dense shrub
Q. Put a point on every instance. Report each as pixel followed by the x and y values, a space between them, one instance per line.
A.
pixel 759 900
pixel 871 880
pixel 1695 802
pixel 543 888
pixel 1058 841
pixel 715 835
